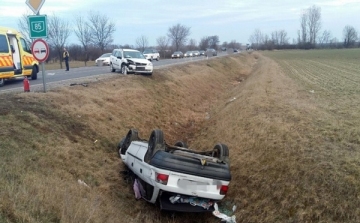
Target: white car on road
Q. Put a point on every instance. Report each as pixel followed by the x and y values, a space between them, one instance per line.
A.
pixel 103 60
pixel 175 177
pixel 130 61
pixel 151 54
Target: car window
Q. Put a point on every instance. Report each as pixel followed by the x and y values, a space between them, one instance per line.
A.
pixel 25 45
pixel 105 55
pixel 4 46
pixel 133 54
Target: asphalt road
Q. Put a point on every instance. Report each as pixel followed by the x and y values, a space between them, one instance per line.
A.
pixel 60 75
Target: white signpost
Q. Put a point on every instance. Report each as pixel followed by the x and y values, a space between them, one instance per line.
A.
pixel 37 27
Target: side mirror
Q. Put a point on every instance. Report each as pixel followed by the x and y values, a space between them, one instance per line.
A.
pixel 12 48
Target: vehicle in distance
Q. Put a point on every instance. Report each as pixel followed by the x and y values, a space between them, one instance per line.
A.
pixel 211 52
pixel 173 176
pixel 177 54
pixel 103 59
pixel 130 61
pixel 151 54
pixel 189 54
pixel 202 52
pixel 196 53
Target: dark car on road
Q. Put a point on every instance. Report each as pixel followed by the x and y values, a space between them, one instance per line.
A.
pixel 177 54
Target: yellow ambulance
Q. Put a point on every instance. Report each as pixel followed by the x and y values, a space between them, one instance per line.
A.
pixel 16 59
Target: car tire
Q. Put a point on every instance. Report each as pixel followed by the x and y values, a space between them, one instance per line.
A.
pixel 120 145
pixel 181 144
pixel 132 135
pixel 34 73
pixel 112 68
pixel 221 151
pixel 156 142
pixel 123 69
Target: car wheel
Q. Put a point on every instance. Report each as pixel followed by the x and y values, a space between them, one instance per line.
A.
pixel 221 151
pixel 123 69
pixel 181 144
pixel 132 135
pixel 2 82
pixel 120 145
pixel 112 68
pixel 156 142
pixel 34 73
pixel 158 58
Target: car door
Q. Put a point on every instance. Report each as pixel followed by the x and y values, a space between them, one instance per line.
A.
pixel 119 58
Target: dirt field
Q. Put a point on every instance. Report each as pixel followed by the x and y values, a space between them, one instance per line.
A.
pixel 290 120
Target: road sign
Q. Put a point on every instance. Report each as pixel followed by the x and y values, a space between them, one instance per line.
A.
pixel 35 5
pixel 38 26
pixel 40 50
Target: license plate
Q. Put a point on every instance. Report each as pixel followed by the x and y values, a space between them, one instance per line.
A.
pixel 192 185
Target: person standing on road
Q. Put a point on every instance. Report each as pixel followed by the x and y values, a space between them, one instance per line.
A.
pixel 66 58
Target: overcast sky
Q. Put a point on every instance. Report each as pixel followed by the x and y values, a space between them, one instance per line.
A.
pixel 228 19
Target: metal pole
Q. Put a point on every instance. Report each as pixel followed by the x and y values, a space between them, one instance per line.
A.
pixel 42 68
pixel 43 76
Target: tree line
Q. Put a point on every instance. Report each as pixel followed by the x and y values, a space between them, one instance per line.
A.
pixel 95 33
pixel 309 35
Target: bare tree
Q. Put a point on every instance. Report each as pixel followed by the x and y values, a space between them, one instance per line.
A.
pixel 58 33
pixel 214 42
pixel 83 34
pixel 275 38
pixel 314 22
pixel 256 39
pixel 303 31
pixel 279 38
pixel 163 43
pixel 192 44
pixel 233 44
pixel 324 38
pixel 204 43
pixel 282 34
pixel 142 43
pixel 102 30
pixel 350 36
pixel 24 27
pixel 178 34
pixel 310 25
pixel 334 42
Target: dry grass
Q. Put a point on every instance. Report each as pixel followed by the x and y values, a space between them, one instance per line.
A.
pixel 72 64
pixel 294 154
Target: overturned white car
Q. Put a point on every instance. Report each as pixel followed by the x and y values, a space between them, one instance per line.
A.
pixel 175 177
